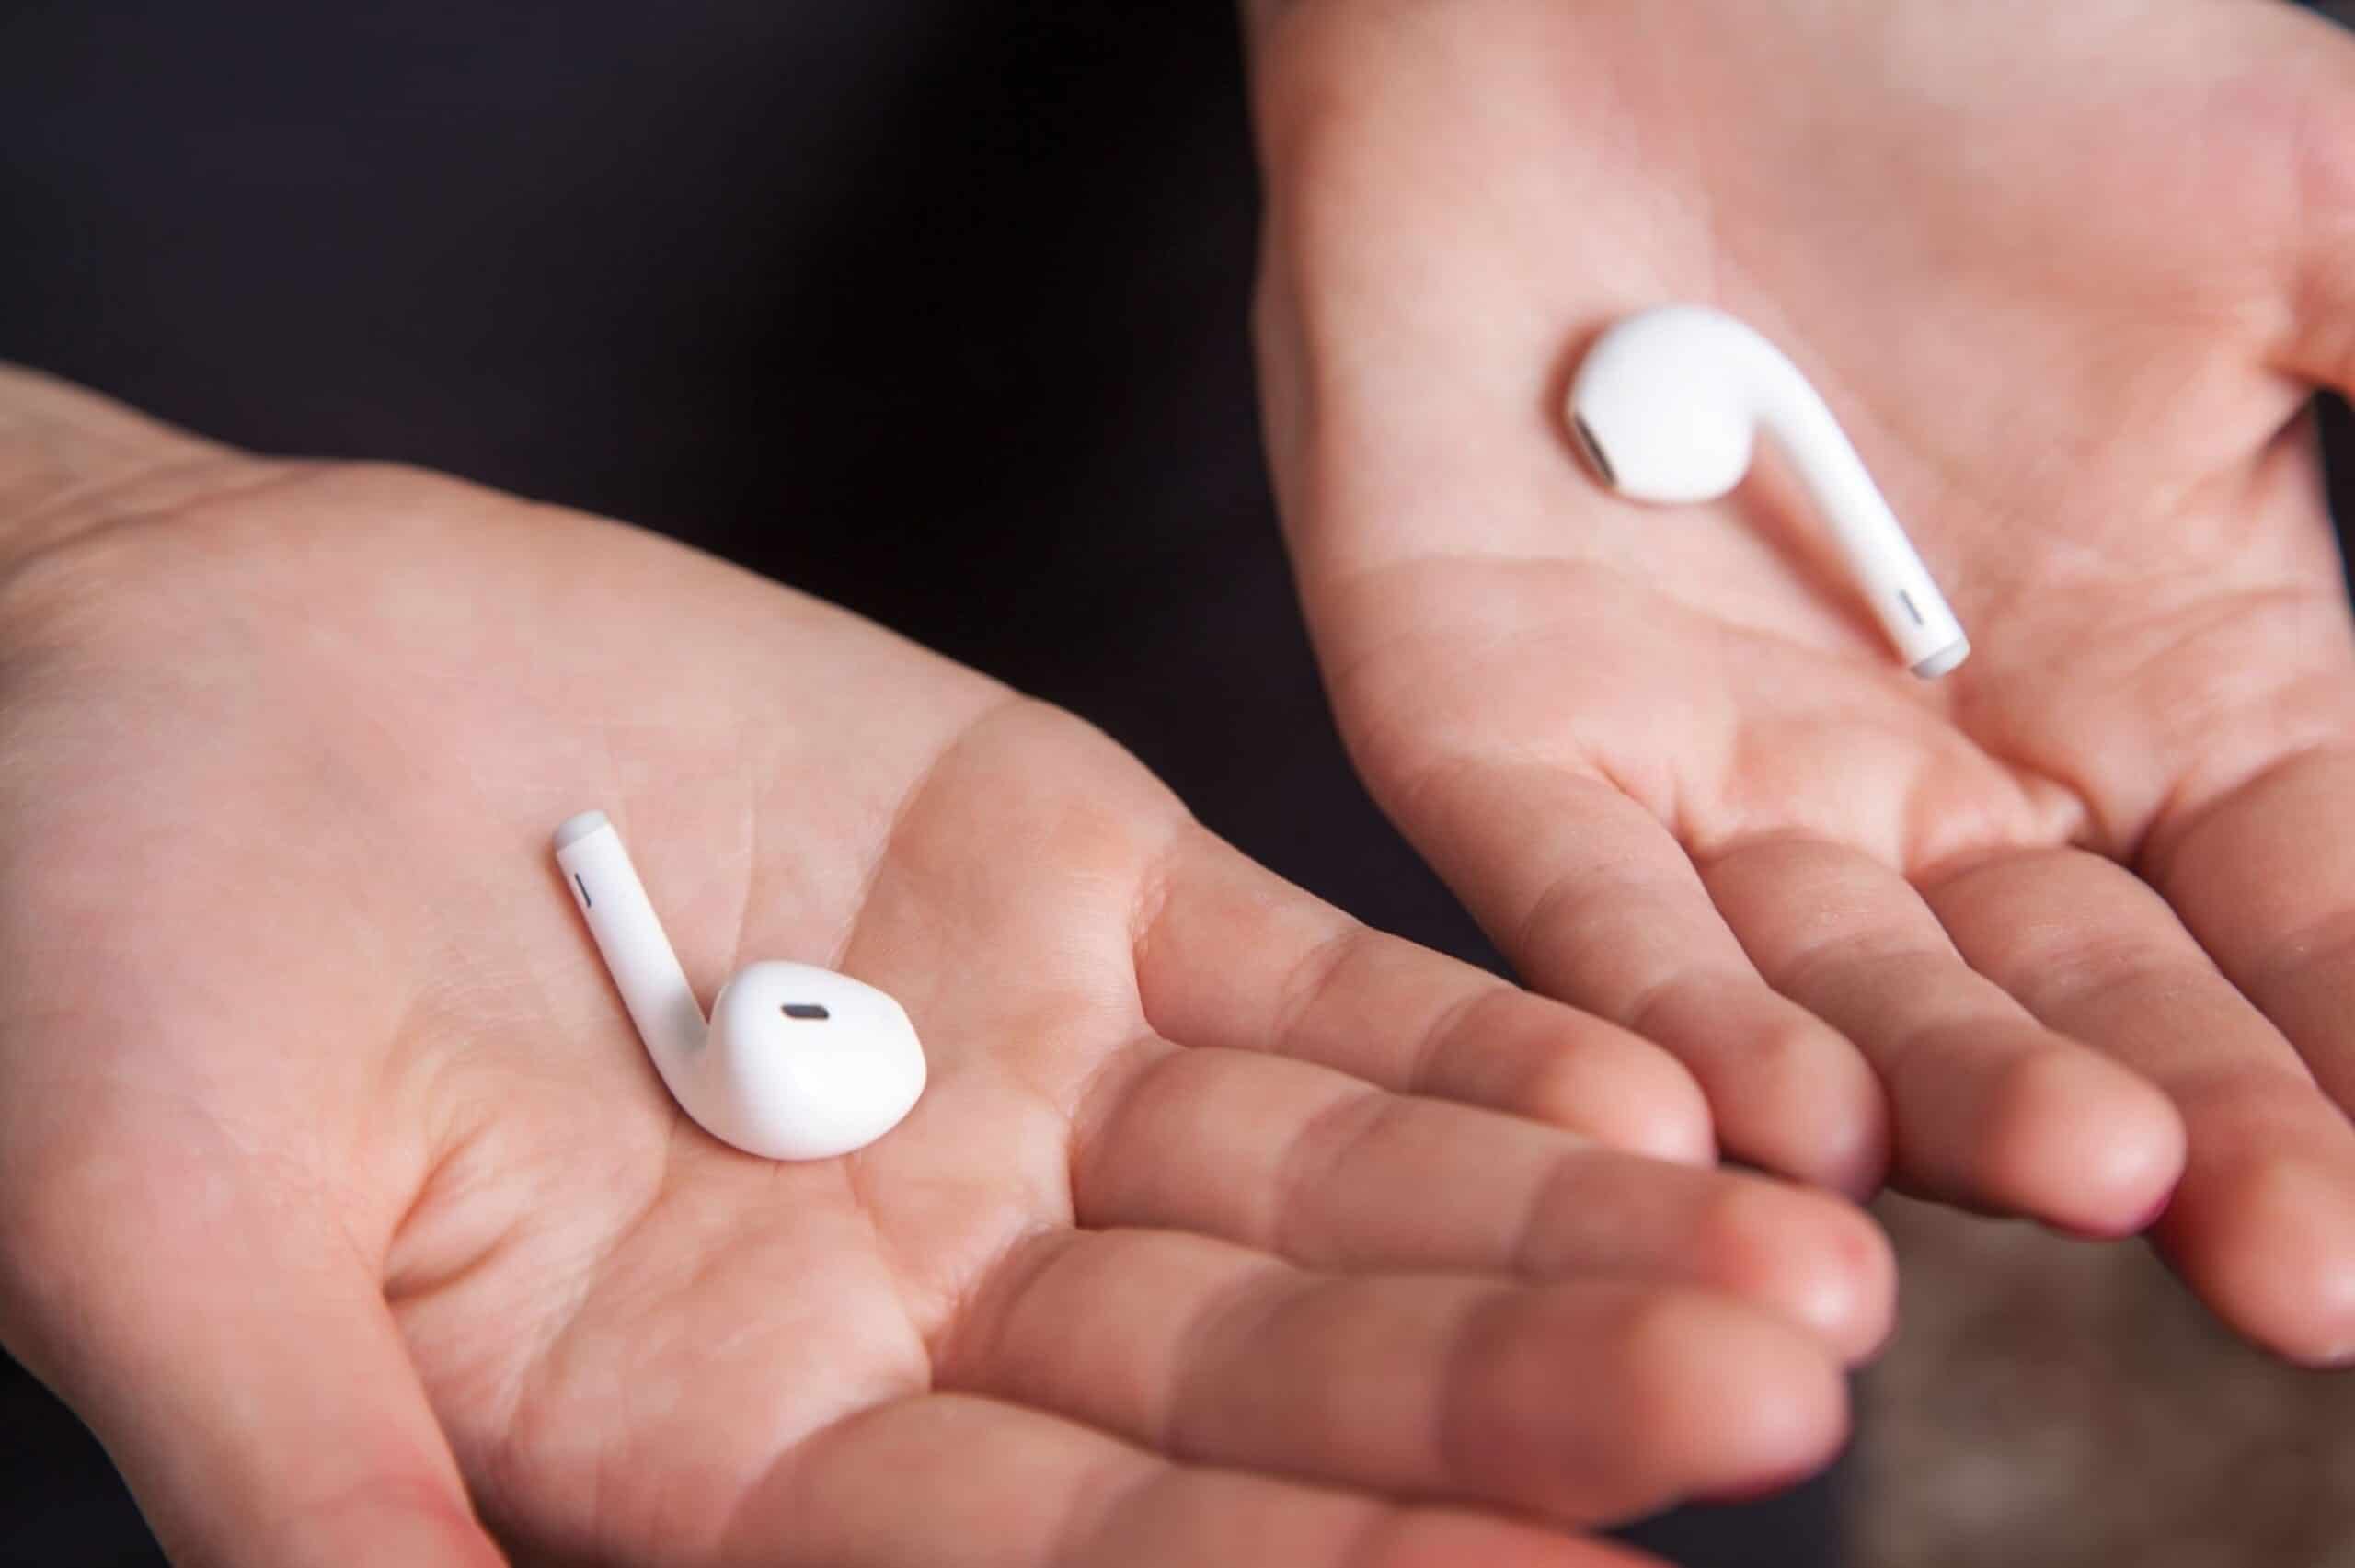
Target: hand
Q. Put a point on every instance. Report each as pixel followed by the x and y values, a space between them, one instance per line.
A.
pixel 2069 274
pixel 336 1191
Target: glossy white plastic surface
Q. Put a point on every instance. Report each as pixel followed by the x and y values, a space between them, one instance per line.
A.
pixel 798 1062
pixel 1670 405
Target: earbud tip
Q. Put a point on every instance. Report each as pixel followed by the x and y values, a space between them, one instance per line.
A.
pixel 1944 661
pixel 578 825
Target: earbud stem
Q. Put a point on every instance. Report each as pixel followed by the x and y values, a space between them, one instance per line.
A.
pixel 621 919
pixel 1887 570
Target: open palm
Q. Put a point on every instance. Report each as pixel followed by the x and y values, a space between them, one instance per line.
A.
pixel 2069 275
pixel 337 1194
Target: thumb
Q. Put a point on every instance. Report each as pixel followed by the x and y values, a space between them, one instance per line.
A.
pixel 243 1370
pixel 68 455
pixel 2317 71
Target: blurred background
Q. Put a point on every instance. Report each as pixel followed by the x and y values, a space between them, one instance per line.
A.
pixel 939 310
pixel 2049 1402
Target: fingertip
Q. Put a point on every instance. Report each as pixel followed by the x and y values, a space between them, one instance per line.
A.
pixel 1627 1093
pixel 2269 1242
pixel 1740 1400
pixel 1813 1109
pixel 1607 1400
pixel 1789 1093
pixel 1823 1264
pixel 2080 1143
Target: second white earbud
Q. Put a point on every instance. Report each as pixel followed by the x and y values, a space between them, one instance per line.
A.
pixel 796 1063
pixel 1669 405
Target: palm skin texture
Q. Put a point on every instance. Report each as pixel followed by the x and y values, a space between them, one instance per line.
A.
pixel 339 1197
pixel 2069 935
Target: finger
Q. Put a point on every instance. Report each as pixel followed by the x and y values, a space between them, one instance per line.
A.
pixel 2263 1224
pixel 1597 904
pixel 1319 1168
pixel 2314 72
pixel 241 1367
pixel 1584 1402
pixel 948 1478
pixel 1234 957
pixel 1989 1106
pixel 2265 880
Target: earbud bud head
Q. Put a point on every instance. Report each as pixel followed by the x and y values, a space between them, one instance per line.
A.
pixel 1663 407
pixel 814 1064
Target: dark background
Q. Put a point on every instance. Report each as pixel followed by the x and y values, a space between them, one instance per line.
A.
pixel 938 311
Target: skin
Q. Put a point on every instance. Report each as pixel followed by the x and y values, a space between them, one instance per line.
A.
pixel 338 1195
pixel 2044 937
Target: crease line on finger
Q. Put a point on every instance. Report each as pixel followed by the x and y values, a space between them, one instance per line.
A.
pixel 1263 1290
pixel 1449 1437
pixel 1318 1152
pixel 1653 994
pixel 2153 854
pixel 978 1322
pixel 1438 1032
pixel 1103 1094
pixel 1314 976
pixel 1094 1510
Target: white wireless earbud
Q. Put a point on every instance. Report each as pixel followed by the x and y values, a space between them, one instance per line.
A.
pixel 798 1062
pixel 1669 405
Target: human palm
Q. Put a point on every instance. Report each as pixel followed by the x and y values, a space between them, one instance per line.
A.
pixel 2040 931
pixel 337 1194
